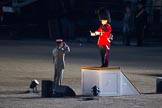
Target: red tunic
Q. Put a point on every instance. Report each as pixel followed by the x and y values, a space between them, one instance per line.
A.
pixel 105 31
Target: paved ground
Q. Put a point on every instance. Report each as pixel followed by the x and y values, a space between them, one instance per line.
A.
pixel 22 61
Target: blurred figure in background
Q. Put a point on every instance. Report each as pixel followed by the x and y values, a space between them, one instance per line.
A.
pixel 1 11
pixel 156 11
pixel 127 26
pixel 140 23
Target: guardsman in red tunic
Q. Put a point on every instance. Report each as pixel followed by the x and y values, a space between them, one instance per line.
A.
pixel 105 36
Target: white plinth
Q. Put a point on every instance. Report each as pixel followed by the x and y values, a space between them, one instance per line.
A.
pixel 110 81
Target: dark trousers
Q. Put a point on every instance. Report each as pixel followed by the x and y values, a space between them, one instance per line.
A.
pixel 104 53
pixel 156 16
pixel 140 36
pixel 126 39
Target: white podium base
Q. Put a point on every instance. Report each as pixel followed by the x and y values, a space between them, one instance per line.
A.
pixel 110 81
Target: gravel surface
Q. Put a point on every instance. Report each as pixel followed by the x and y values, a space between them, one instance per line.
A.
pixel 22 61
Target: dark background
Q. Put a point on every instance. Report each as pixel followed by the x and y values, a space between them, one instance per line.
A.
pixel 68 19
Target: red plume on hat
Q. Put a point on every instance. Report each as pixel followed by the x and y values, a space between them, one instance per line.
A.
pixel 104 14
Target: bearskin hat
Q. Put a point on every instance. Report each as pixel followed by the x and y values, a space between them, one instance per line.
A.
pixel 104 14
